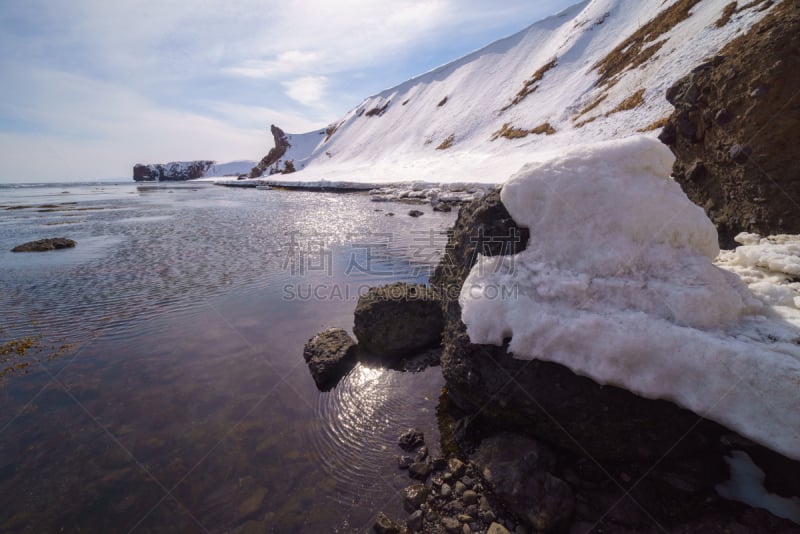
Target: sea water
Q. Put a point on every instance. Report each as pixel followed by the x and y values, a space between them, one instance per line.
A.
pixel 167 390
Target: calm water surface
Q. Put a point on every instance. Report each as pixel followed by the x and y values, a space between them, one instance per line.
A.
pixel 184 404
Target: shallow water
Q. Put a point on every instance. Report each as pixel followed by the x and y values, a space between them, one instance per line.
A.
pixel 185 404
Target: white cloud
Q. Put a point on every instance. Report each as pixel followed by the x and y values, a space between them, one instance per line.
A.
pixel 260 117
pixel 89 129
pixel 307 90
pixel 160 62
pixel 285 63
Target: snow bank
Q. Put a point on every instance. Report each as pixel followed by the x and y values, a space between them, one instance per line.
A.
pixel 232 168
pixel 618 284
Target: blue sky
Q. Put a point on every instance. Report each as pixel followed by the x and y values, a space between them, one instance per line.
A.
pixel 92 87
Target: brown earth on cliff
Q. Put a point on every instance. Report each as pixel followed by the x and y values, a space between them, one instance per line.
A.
pixel 736 129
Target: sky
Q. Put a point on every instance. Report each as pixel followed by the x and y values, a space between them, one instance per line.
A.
pixel 91 87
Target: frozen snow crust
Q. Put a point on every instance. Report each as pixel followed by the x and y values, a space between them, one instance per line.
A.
pixel 618 284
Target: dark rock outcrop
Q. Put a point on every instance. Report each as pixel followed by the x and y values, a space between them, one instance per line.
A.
pixel 411 439
pixel 43 245
pixel 632 464
pixel 171 172
pixel 736 128
pixel 330 355
pixel 274 155
pixel 396 321
pixel 541 398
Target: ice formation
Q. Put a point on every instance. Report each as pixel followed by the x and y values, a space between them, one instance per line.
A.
pixel 747 485
pixel 618 283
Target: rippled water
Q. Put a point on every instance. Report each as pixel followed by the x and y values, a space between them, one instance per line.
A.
pixel 184 403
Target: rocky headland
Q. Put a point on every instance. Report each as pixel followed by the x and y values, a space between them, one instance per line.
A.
pixel 171 172
pixel 268 163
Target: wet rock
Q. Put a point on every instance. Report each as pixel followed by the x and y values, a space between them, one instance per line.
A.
pixel 519 471
pixel 411 439
pixel 497 528
pixel 457 467
pixel 415 213
pixel 420 361
pixel 384 525
pixel 469 497
pixel 397 320
pixel 414 496
pixel 43 245
pixel 751 91
pixel 439 464
pixel 419 470
pixel 452 525
pixel 415 521
pixel 330 355
pixel 404 462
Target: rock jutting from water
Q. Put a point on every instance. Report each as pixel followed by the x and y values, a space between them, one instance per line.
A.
pixel 43 245
pixel 397 321
pixel 330 355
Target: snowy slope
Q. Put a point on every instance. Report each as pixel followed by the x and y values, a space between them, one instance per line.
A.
pixel 602 55
pixel 233 168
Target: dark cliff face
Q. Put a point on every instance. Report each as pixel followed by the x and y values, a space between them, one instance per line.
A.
pixel 171 172
pixel 275 154
pixel 736 130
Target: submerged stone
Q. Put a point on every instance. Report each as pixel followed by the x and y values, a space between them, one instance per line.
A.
pixel 43 245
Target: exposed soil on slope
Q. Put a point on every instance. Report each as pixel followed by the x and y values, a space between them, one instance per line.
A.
pixel 736 129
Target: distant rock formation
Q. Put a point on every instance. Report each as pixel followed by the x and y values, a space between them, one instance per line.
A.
pixel 736 128
pixel 274 155
pixel 171 172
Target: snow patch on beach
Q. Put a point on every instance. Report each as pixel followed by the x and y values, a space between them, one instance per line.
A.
pixel 618 283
